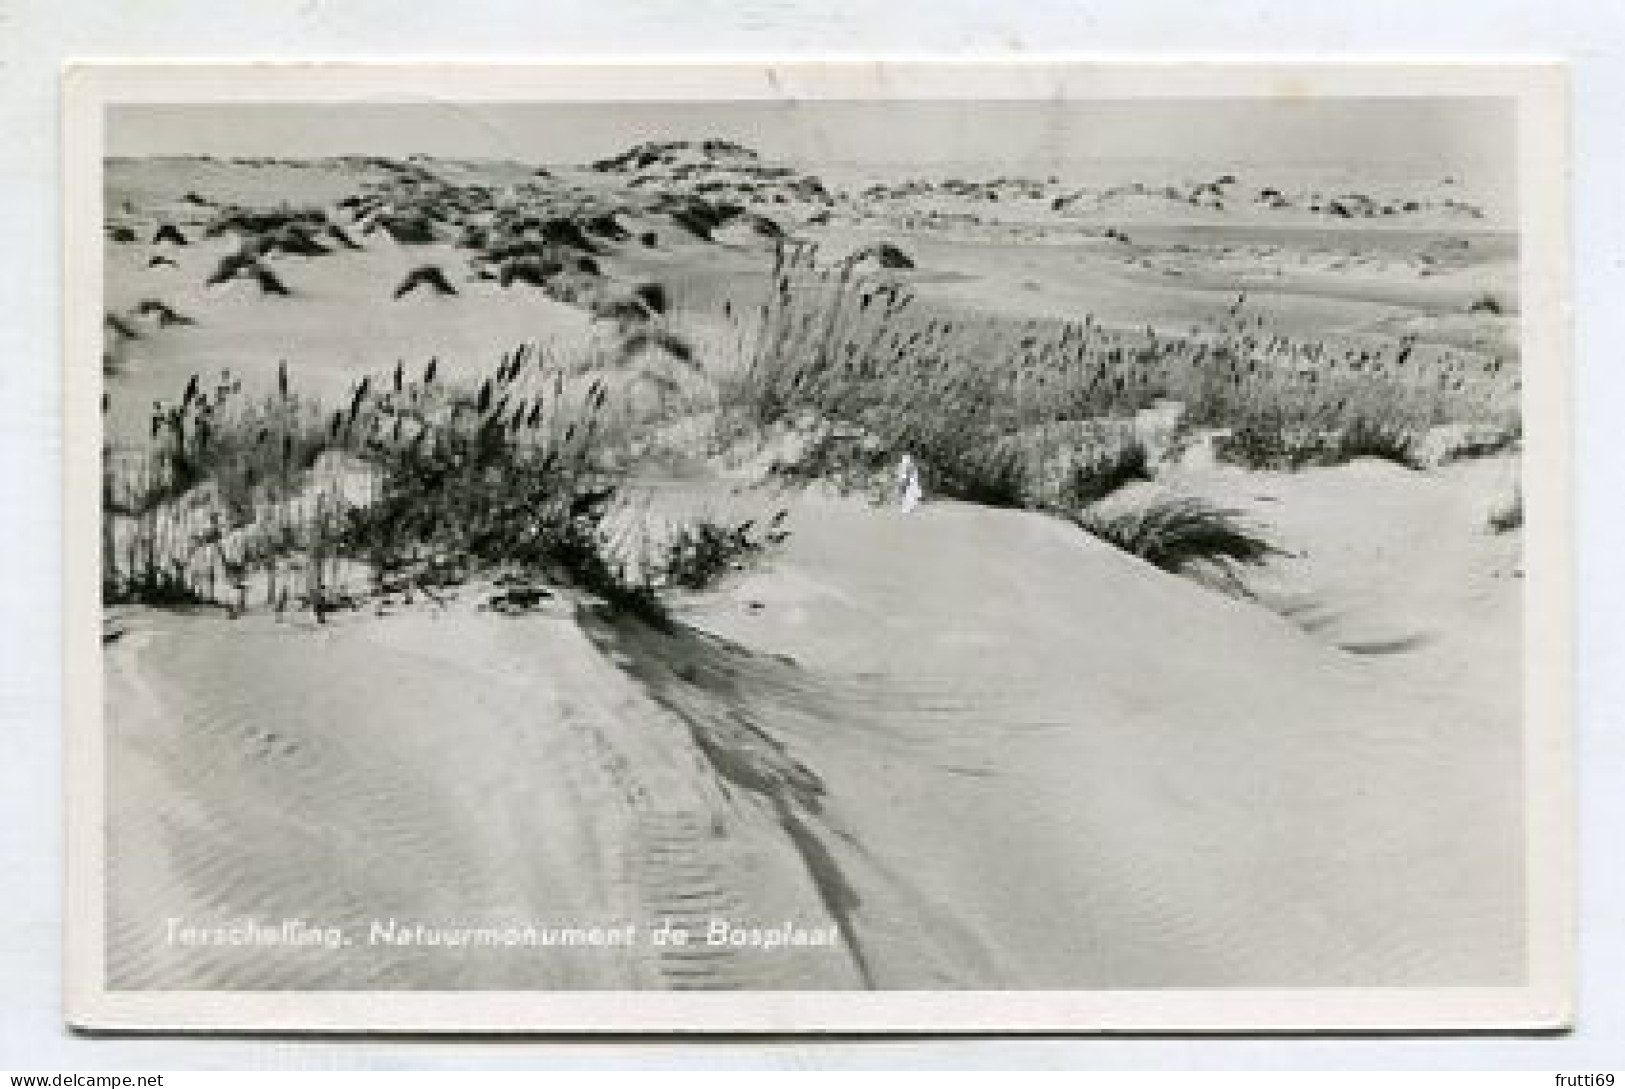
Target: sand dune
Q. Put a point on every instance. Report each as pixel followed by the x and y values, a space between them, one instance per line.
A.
pixel 963 765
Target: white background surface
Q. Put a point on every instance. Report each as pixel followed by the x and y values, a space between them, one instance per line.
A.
pixel 34 43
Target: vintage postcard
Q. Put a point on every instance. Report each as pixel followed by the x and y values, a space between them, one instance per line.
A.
pixel 1057 546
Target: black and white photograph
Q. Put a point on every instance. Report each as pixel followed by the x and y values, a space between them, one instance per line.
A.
pixel 1012 545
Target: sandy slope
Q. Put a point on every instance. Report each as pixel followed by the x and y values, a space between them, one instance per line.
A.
pixel 1112 778
pixel 993 751
pixel 449 768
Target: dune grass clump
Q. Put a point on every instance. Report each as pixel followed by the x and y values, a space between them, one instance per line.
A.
pixel 120 327
pixel 697 221
pixel 408 485
pixel 246 264
pixel 1177 534
pixel 626 311
pixel 653 295
pixel 339 235
pixel 231 266
pixel 528 270
pixel 1487 442
pixel 1389 440
pixel 166 314
pixel 243 449
pixel 296 239
pixel 477 498
pixel 606 226
pixel 563 231
pixel 663 340
pixel 251 223
pixel 1269 442
pixel 522 248
pixel 990 477
pixel 147 579
pixel 883 254
pixel 850 462
pixel 703 551
pixel 1089 480
pixel 1275 440
pixel 409 230
pixel 454 483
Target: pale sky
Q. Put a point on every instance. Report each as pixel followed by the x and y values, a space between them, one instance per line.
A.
pixel 1033 137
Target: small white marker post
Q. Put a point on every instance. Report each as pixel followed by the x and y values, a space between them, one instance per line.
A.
pixel 908 483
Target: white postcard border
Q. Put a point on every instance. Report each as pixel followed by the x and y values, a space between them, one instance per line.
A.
pixel 1545 1003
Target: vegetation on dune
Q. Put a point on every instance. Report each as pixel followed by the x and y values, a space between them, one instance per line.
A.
pixel 647 338
pixel 246 264
pixel 696 215
pixel 522 248
pixel 1045 415
pixel 1090 480
pixel 606 226
pixel 166 315
pixel 231 266
pixel 882 254
pixel 339 235
pixel 867 355
pixel 253 222
pixel 418 484
pixel 120 327
pixel 408 230
pixel 561 231
pixel 1276 440
pixel 528 270
pixel 653 296
pixel 296 239
pixel 1509 516
pixel 1388 440
pixel 695 224
pixel 270 283
pixel 1487 441
pixel 992 479
pixel 1175 534
pixel 700 552
pixel 406 488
